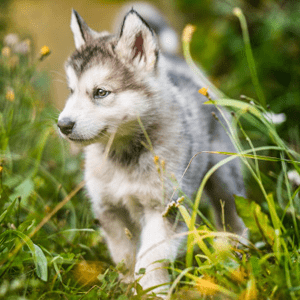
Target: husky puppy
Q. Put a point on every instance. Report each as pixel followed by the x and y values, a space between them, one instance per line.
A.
pixel 115 81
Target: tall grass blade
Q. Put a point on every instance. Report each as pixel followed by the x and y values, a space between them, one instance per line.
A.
pixel 186 40
pixel 194 236
pixel 251 63
pixel 246 107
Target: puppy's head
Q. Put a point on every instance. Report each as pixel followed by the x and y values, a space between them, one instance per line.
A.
pixel 110 80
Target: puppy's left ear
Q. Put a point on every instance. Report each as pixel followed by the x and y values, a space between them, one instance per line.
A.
pixel 137 45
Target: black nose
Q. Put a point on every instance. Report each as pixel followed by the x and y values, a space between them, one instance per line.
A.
pixel 66 125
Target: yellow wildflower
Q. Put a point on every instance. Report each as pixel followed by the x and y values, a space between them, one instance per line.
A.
pixel 47 209
pixel 10 95
pixel 6 51
pixel 156 159
pixel 188 32
pixel 1 168
pixel 203 91
pixel 45 51
pixel 239 275
pixel 207 286
pixel 87 272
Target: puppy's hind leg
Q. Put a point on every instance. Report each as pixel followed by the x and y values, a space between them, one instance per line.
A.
pixel 222 186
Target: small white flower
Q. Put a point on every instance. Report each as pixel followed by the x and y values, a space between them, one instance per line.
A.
pixel 22 47
pixel 11 39
pixel 294 177
pixel 275 118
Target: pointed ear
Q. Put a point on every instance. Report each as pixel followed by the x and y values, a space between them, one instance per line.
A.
pixel 81 31
pixel 137 45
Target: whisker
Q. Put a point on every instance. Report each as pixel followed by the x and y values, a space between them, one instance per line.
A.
pixel 58 73
pixel 60 81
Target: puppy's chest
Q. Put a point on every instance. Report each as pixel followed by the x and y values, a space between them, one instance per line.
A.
pixel 108 183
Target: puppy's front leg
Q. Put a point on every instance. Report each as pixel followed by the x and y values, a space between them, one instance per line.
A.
pixel 114 222
pixel 156 245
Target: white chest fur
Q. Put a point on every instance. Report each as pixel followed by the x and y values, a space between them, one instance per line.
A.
pixel 110 184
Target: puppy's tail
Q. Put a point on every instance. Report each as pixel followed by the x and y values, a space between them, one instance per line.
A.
pixel 167 37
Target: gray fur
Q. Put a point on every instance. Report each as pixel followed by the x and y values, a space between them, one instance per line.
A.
pixel 124 186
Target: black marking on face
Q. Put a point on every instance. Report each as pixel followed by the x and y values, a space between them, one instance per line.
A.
pixel 100 55
pixel 131 154
pixel 80 59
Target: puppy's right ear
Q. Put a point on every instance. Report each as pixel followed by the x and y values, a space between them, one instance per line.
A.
pixel 137 45
pixel 81 31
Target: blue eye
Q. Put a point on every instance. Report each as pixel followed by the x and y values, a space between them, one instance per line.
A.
pixel 100 93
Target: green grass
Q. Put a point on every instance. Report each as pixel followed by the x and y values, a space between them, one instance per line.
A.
pixel 50 246
pixel 44 237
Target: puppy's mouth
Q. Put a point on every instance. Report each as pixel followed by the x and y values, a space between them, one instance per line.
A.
pixel 94 139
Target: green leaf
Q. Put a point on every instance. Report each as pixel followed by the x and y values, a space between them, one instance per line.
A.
pixel 23 190
pixel 123 297
pixel 255 220
pixel 27 224
pixel 38 256
pixel 255 266
pixel 139 289
pixel 142 271
pixel 7 211
pixel 41 263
